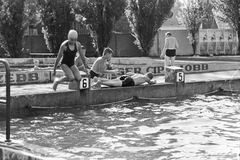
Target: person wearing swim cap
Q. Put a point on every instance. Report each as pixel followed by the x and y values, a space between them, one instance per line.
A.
pixel 67 52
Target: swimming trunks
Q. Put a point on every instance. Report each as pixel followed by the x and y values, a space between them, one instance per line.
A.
pixel 171 52
pixel 93 74
pixel 122 77
pixel 127 81
pixel 69 56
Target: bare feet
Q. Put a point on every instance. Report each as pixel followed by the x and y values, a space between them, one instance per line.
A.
pixel 55 84
pixel 94 80
pixel 97 85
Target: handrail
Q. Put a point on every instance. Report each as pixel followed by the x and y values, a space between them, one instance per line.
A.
pixel 8 111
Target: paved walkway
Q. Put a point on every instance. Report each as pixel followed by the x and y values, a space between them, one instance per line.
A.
pixel 30 89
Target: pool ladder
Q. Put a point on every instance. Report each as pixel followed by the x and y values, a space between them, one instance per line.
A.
pixel 7 101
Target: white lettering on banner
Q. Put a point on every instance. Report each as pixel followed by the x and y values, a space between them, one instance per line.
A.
pixel 84 84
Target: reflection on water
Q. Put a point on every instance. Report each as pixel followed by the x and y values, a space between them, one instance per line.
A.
pixel 198 128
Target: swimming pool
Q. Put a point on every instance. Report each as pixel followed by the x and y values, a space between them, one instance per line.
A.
pixel 200 128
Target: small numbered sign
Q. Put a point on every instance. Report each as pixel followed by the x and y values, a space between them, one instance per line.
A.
pixel 84 84
pixel 180 77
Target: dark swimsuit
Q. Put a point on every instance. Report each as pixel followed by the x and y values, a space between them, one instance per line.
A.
pixel 126 81
pixel 171 52
pixel 93 74
pixel 69 56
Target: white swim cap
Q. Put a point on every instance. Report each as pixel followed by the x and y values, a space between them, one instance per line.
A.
pixel 72 34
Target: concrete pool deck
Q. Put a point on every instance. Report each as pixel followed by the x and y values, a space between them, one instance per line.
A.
pixel 42 95
pixel 31 89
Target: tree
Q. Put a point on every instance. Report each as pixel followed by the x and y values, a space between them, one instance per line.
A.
pixel 57 17
pixel 32 12
pixel 191 14
pixel 101 16
pixel 229 13
pixel 122 25
pixel 145 18
pixel 12 26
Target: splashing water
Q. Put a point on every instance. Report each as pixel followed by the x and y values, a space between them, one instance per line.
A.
pixel 199 128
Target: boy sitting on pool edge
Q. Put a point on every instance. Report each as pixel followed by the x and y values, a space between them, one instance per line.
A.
pixel 125 80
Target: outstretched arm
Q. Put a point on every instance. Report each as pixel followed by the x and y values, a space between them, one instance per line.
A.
pixel 82 56
pixel 151 81
pixel 79 64
pixel 103 70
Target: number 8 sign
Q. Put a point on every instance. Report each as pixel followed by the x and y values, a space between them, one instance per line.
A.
pixel 84 84
pixel 180 77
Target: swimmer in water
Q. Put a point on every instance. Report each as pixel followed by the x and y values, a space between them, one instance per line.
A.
pixel 67 52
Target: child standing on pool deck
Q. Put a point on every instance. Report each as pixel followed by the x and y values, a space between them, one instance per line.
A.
pixel 67 52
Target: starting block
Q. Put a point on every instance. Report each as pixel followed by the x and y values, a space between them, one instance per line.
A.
pixel 174 74
pixel 84 83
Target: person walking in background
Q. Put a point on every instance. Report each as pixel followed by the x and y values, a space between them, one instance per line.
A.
pixel 67 54
pixel 169 49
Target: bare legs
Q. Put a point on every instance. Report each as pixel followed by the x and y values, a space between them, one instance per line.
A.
pixel 169 61
pixel 173 61
pixel 71 74
pixel 111 83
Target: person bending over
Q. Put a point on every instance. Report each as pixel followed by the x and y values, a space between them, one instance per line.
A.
pixel 99 66
pixel 126 80
pixel 67 52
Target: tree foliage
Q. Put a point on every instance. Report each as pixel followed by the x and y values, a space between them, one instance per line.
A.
pixel 100 16
pixel 57 17
pixel 145 18
pixel 12 26
pixel 32 12
pixel 229 13
pixel 122 25
pixel 191 14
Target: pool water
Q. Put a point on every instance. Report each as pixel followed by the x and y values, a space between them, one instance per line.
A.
pixel 197 128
